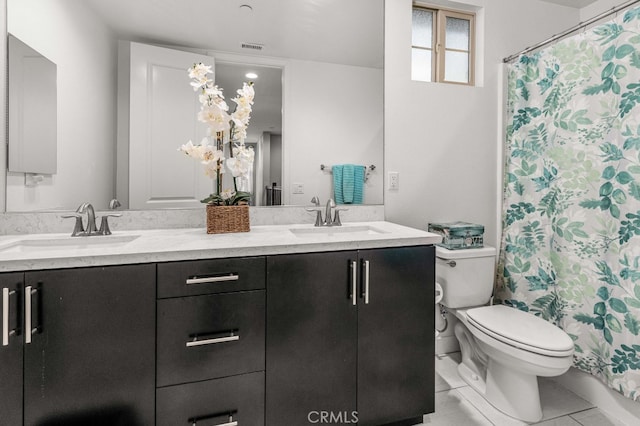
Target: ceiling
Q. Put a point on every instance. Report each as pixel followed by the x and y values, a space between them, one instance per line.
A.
pixel 335 31
pixel 578 4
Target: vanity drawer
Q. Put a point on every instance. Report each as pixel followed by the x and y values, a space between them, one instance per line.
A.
pixel 211 401
pixel 191 278
pixel 211 336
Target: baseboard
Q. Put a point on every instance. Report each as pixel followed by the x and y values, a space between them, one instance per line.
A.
pixel 606 399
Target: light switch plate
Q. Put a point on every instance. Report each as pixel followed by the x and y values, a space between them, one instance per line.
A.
pixel 298 188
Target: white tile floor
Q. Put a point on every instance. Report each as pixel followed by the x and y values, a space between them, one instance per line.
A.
pixel 459 405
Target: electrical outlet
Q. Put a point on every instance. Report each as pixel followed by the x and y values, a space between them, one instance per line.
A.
pixel 298 188
pixel 394 180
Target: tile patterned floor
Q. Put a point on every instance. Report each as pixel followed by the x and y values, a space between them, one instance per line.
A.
pixel 459 405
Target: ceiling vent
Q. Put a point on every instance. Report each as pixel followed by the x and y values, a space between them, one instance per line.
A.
pixel 252 46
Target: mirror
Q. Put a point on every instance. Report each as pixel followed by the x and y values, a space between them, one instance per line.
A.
pixel 331 86
pixel 32 117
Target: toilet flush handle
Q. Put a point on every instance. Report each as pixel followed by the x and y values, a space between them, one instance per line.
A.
pixel 451 263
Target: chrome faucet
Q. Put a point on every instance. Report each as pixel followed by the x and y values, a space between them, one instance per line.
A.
pixel 91 218
pixel 114 204
pixel 79 229
pixel 328 220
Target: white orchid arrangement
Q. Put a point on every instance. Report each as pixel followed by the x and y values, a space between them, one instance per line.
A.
pixel 214 112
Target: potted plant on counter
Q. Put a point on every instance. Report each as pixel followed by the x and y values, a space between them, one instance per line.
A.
pixel 227 209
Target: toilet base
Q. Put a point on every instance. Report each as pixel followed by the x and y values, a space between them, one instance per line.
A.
pixel 513 393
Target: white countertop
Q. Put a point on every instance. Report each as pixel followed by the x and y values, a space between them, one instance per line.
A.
pixel 53 251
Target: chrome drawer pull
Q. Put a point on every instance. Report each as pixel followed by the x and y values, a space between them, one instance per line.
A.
pixel 194 421
pixel 196 342
pixel 233 423
pixel 204 280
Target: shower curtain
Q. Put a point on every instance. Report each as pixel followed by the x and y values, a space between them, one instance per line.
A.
pixel 570 248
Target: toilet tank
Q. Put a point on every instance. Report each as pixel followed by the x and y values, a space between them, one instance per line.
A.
pixel 466 276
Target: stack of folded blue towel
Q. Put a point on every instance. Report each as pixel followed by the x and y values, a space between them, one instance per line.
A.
pixel 348 183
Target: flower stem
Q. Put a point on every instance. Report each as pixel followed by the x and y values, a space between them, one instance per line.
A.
pixel 220 147
pixel 231 131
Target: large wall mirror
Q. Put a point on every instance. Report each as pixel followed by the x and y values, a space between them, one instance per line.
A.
pixel 319 95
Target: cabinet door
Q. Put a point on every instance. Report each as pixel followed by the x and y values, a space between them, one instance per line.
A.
pixel 11 349
pixel 396 335
pixel 311 337
pixel 91 360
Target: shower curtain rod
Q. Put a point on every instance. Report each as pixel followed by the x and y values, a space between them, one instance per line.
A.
pixel 571 30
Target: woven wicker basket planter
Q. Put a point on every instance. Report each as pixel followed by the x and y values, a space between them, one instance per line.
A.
pixel 227 219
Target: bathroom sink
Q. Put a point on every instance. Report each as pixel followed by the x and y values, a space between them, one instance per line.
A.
pixel 345 230
pixel 67 243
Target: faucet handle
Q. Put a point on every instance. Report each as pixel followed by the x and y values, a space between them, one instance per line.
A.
pixel 78 228
pixel 316 201
pixel 104 223
pixel 318 211
pixel 336 217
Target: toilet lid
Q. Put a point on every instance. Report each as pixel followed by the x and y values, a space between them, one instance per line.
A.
pixel 520 329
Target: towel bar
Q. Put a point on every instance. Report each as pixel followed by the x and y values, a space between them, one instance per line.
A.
pixel 368 169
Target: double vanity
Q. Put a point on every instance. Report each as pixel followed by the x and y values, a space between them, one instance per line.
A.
pixel 283 325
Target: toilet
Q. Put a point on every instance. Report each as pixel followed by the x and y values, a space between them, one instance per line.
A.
pixel 504 349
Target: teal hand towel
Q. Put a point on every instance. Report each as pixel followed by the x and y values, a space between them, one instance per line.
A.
pixel 348 182
pixel 337 184
pixel 358 184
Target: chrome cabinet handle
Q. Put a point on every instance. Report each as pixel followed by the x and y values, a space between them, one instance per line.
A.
pixel 5 316
pixel 194 421
pixel 354 282
pixel 27 314
pixel 29 291
pixel 204 280
pixel 366 282
pixel 196 342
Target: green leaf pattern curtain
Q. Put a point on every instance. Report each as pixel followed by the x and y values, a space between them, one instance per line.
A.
pixel 570 248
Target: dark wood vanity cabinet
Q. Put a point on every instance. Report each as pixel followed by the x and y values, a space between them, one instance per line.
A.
pixel 340 337
pixel 89 357
pixel 365 357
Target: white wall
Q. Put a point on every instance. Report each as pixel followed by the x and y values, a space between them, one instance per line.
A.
pixel 86 76
pixel 444 139
pixel 327 107
pixel 597 8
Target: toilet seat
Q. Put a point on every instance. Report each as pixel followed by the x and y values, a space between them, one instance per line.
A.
pixel 521 330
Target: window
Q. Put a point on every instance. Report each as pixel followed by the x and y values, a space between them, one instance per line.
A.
pixel 442 47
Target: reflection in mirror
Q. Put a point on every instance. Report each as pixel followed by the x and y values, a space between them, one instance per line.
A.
pixel 32 110
pixel 329 94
